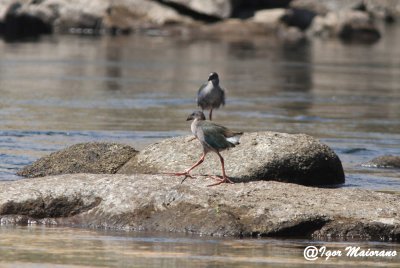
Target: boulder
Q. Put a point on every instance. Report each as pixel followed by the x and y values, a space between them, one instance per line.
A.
pixel 216 8
pixel 19 21
pixel 315 6
pixel 269 16
pixel 162 203
pixel 296 158
pixel 384 161
pixel 349 25
pixel 92 157
pixel 85 17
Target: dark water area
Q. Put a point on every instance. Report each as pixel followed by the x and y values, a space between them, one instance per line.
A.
pixel 63 90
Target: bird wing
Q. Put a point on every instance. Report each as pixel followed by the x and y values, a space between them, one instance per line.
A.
pixel 215 135
pixel 201 88
pixel 223 96
pixel 200 94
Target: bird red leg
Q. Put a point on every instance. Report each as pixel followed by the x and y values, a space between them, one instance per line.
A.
pixel 210 115
pixel 225 178
pixel 186 173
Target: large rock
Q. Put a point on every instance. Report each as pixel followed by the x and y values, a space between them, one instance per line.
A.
pixel 87 17
pixel 92 157
pixel 25 21
pixel 215 8
pixel 269 16
pixel 349 25
pixel 296 158
pixel 384 161
pixel 162 203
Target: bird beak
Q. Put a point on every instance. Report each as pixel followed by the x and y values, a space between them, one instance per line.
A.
pixel 190 117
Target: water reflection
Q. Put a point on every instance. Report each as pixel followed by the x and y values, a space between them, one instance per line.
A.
pixel 31 246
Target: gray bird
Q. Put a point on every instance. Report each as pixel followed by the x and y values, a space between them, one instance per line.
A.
pixel 210 94
pixel 213 138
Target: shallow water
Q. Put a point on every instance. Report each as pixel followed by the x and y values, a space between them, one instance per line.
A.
pixel 67 247
pixel 136 90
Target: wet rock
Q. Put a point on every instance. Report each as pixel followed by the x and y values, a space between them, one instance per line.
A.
pixel 216 8
pixel 81 158
pixel 260 156
pixel 380 229
pixel 385 161
pixel 162 203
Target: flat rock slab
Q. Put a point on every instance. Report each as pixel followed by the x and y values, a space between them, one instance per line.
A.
pixel 93 157
pixel 162 203
pixel 384 161
pixel 296 158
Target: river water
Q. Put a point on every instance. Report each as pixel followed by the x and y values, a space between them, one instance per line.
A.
pixel 62 90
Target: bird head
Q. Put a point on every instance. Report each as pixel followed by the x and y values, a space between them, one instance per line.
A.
pixel 196 115
pixel 213 77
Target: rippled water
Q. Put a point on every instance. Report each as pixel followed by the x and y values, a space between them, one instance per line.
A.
pixel 68 247
pixel 136 90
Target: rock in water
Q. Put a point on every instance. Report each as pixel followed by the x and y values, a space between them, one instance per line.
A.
pixel 384 161
pixel 296 158
pixel 92 157
pixel 162 203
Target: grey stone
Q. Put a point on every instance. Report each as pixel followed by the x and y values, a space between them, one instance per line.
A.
pixel 296 158
pixel 384 161
pixel 162 203
pixel 81 158
pixel 269 16
pixel 216 8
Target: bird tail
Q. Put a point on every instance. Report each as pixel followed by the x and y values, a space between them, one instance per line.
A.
pixel 235 139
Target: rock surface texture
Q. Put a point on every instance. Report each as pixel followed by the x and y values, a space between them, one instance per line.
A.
pixel 91 157
pixel 162 203
pixel 296 158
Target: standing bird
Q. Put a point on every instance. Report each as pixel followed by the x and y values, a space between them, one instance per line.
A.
pixel 213 138
pixel 210 94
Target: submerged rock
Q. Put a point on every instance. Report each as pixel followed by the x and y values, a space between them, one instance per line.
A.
pixel 384 161
pixel 296 158
pixel 92 157
pixel 162 203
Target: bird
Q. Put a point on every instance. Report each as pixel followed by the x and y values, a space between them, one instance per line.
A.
pixel 210 95
pixel 214 138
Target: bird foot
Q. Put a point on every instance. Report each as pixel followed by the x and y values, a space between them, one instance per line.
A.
pixel 185 173
pixel 220 179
